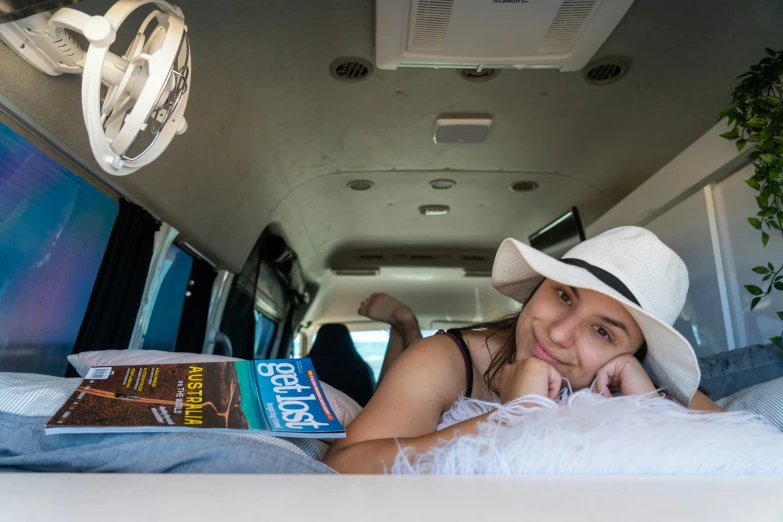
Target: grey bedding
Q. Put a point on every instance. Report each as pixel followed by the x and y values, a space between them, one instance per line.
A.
pixel 728 372
pixel 25 447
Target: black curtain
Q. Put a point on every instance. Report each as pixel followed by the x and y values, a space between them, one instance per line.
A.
pixel 195 311
pixel 119 286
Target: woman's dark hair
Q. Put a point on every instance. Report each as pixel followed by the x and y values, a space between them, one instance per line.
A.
pixel 506 327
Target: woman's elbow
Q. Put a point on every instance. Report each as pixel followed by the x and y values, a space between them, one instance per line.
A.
pixel 374 456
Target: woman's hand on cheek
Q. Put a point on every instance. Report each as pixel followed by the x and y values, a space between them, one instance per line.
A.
pixel 529 377
pixel 626 373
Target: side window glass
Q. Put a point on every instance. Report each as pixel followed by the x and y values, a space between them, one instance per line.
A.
pixel 54 228
pixel 264 335
pixel 166 312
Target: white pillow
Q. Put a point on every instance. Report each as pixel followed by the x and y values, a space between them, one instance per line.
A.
pixel 345 408
pixel 765 399
pixel 587 434
pixel 82 362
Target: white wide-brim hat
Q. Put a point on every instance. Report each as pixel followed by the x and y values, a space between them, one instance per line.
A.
pixel 632 266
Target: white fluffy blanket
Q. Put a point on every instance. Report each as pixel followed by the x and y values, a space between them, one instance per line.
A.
pixel 584 433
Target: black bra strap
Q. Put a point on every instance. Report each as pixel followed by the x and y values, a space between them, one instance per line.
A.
pixel 456 336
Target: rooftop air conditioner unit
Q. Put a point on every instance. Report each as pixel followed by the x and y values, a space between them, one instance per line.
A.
pixel 493 34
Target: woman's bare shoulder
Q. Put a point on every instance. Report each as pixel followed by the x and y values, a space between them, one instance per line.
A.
pixel 483 344
pixel 421 384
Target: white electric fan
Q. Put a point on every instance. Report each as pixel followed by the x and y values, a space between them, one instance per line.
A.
pixel 135 118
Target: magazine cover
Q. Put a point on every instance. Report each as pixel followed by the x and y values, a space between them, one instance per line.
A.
pixel 279 397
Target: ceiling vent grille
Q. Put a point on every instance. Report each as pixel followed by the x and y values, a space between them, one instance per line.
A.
pixel 430 24
pixel 604 71
pixel 566 26
pixel 350 69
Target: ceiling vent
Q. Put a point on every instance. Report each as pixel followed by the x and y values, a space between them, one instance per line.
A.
pixel 493 34
pixel 442 184
pixel 523 186
pixel 605 71
pixel 360 185
pixel 350 69
pixel 430 24
pixel 568 22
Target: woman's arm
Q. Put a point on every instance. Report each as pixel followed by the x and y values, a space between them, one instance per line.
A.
pixel 423 383
pixel 405 410
pixel 702 402
pixel 377 456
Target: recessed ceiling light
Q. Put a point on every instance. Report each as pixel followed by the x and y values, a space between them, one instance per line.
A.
pixel 360 184
pixel 523 186
pixel 434 210
pixel 462 130
pixel 442 184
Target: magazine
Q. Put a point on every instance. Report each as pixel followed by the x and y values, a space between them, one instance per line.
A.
pixel 280 397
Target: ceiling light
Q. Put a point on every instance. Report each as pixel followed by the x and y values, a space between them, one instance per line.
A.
pixel 360 184
pixel 462 130
pixel 523 186
pixel 442 184
pixel 434 210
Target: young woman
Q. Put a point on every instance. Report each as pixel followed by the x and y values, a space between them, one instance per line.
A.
pixel 594 315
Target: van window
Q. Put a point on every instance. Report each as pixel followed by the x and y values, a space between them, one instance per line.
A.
pixel 167 311
pixel 265 334
pixel 54 228
pixel 371 345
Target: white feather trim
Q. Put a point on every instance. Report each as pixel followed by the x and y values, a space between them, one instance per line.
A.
pixel 585 433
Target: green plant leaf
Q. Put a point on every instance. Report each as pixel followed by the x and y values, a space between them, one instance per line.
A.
pixel 773 224
pixel 752 183
pixel 755 223
pixel 777 341
pixel 765 134
pixel 780 316
pixel 756 123
pixel 778 139
pixel 764 238
pixel 769 159
pixel 774 100
pixel 754 303
pixel 769 51
pixel 733 135
pixel 771 267
pixel 741 144
pixel 753 138
pixel 779 285
pixel 727 112
pixel 755 290
pixel 761 270
pixel 766 277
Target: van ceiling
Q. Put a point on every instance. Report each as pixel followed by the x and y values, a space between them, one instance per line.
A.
pixel 273 137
